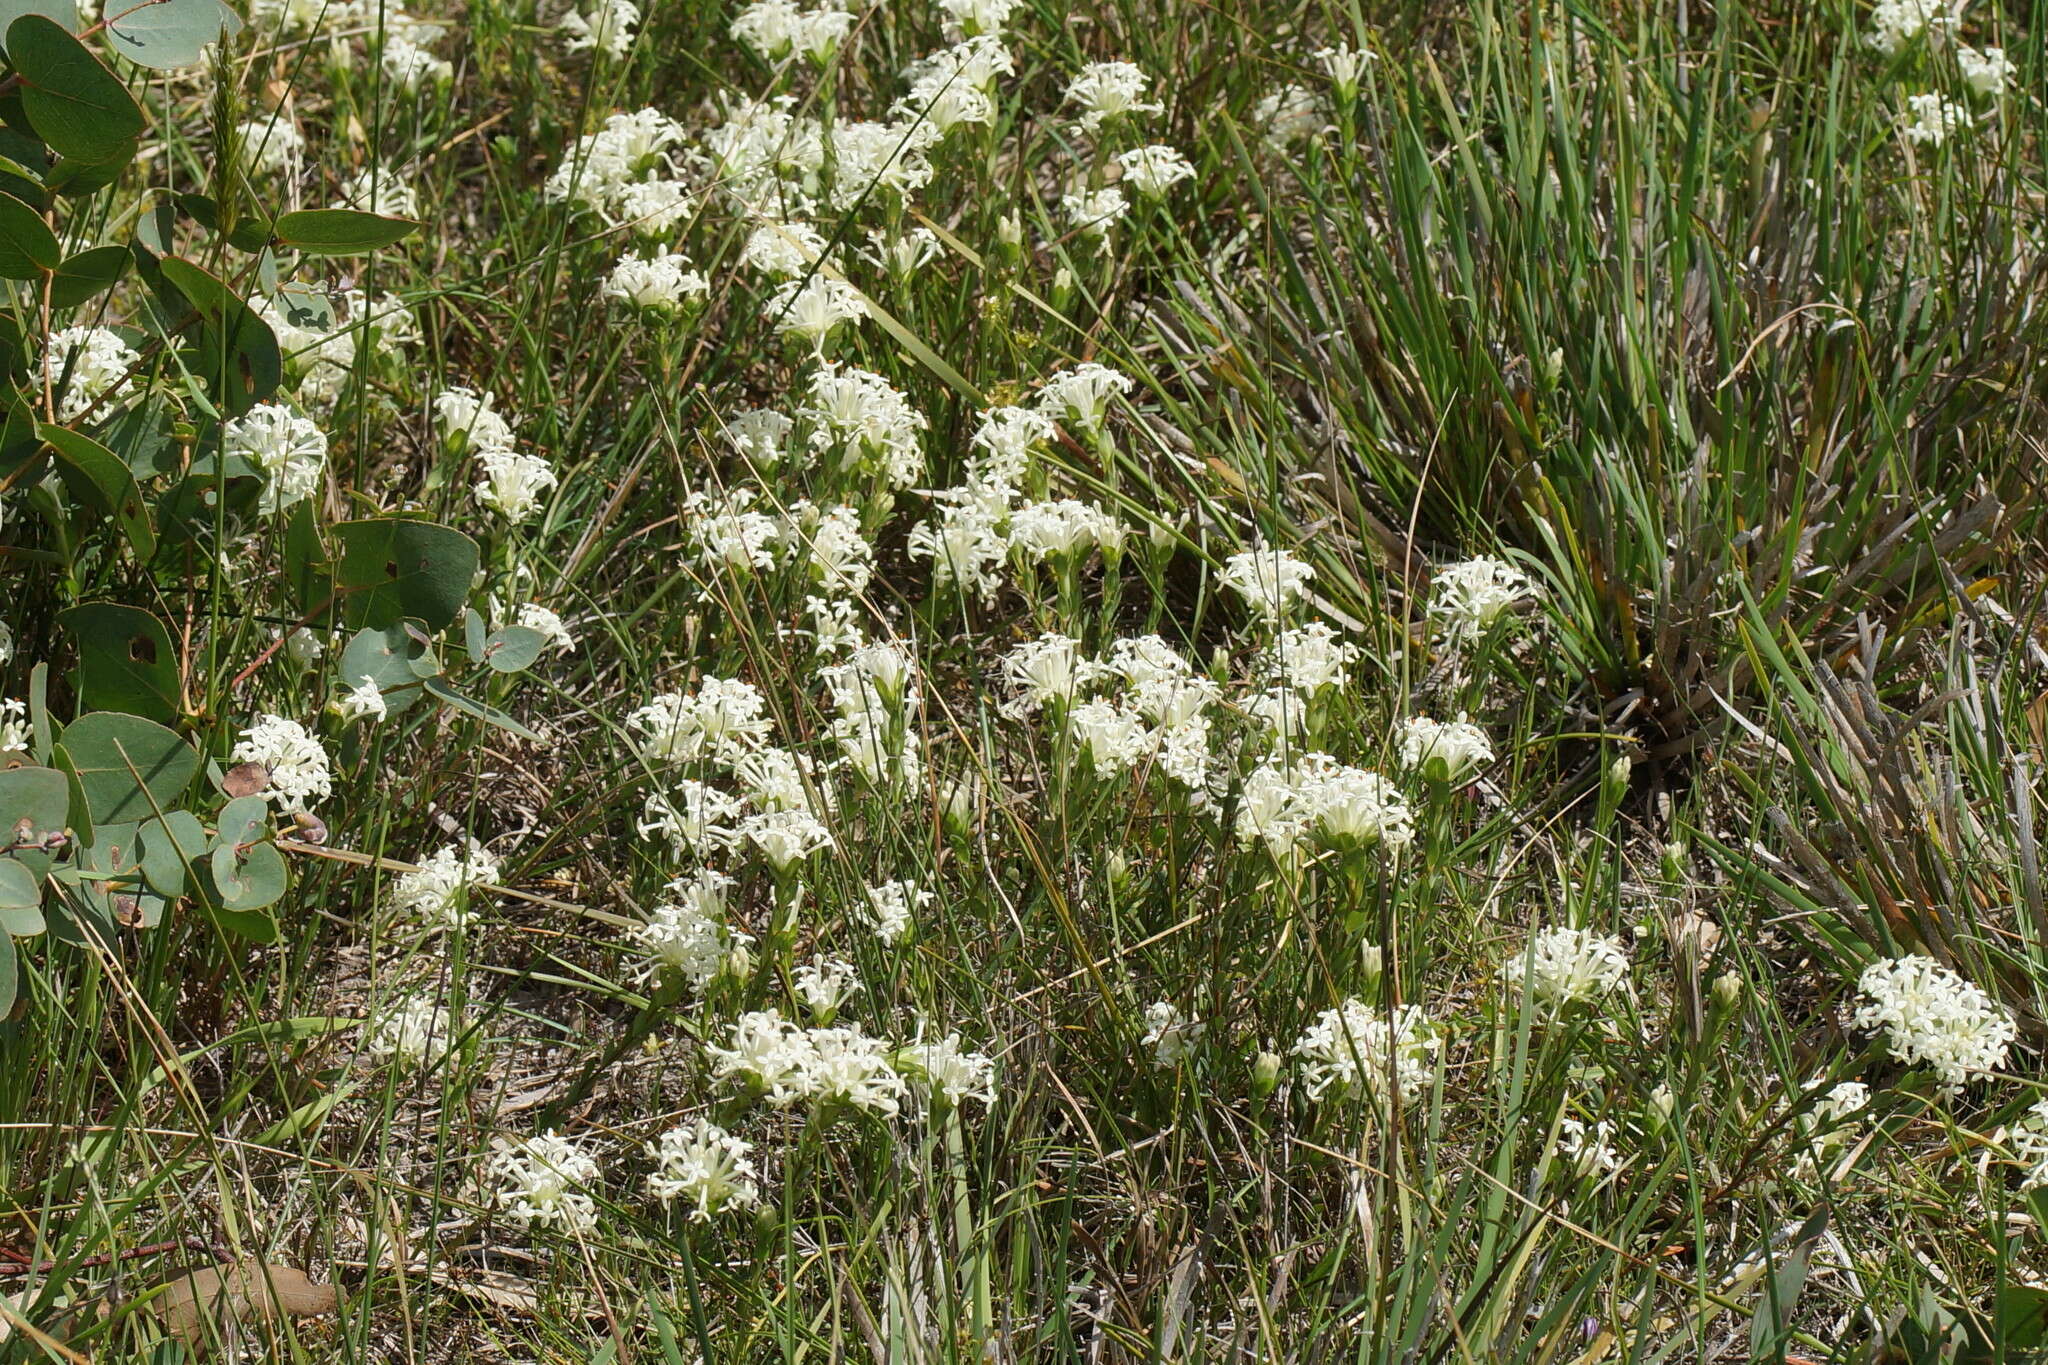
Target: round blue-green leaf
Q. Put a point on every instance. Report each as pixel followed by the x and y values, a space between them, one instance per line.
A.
pixel 394 567
pixel 21 900
pixel 243 822
pixel 251 881
pixel 341 232
pixel 34 803
pixel 28 249
pixel 391 658
pixel 63 11
pixel 513 648
pixel 129 768
pixel 87 274
pixel 165 34
pixel 168 847
pixel 77 106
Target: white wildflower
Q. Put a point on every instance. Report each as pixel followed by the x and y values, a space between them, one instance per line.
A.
pixel 1152 171
pixel 297 766
pixel 1172 1035
pixel 1268 578
pixel 437 892
pixel 705 1167
pixel 289 450
pixel 1109 90
pixel 1565 967
pixel 541 1180
pixel 893 907
pixel 1382 1050
pixel 1932 1017
pixel 1444 751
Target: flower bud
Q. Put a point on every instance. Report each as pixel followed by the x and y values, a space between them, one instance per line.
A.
pixel 1663 1104
pixel 1618 776
pixel 1729 988
pixel 1265 1074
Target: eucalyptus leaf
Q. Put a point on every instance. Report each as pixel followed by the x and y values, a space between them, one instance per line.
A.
pixel 34 804
pixel 169 846
pixel 87 274
pixel 166 34
pixel 395 567
pixel 341 232
pixel 28 249
pixel 236 349
pixel 243 822
pixel 387 657
pixel 21 899
pixel 97 476
pixel 63 11
pixel 249 881
pixel 125 660
pixel 75 104
pixel 514 648
pixel 129 768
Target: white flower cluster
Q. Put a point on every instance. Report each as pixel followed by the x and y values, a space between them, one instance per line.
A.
pixel 1107 91
pixel 437 892
pixel 1932 1017
pixel 893 907
pixel 687 937
pixel 2028 1140
pixel 724 718
pixel 778 28
pixel 1172 1035
pixel 1444 751
pixel 1270 580
pixel 705 1167
pixel 297 766
pixel 287 449
pixel 1467 598
pixel 1895 23
pixel 415 1032
pixel 606 27
pixel 785 1063
pixel 627 173
pixel 1288 802
pixel 542 1181
pixel 82 365
pixel 1565 967
pixel 327 350
pixel 1385 1052
pixel 659 283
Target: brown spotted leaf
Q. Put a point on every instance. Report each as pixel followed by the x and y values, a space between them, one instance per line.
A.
pixel 245 779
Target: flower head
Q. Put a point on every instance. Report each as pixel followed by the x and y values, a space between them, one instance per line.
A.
pixel 296 763
pixel 289 451
pixel 541 1181
pixel 1565 967
pixel 1390 1051
pixel 1932 1017
pixel 1152 171
pixel 705 1167
pixel 414 1032
pixel 1268 578
pixel 1466 598
pixel 1444 751
pixel 1103 91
